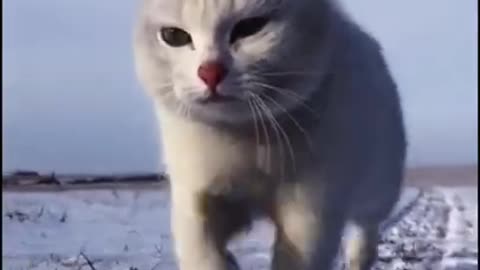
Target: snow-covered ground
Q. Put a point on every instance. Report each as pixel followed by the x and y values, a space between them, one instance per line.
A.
pixel 129 230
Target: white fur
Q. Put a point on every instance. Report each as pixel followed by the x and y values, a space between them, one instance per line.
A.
pixel 196 154
pixel 279 73
pixel 210 24
pixel 202 20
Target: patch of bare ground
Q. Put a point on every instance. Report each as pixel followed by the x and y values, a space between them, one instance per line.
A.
pixel 422 177
pixel 466 175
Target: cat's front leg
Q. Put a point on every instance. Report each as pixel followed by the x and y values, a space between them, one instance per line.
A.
pixel 195 247
pixel 199 235
pixel 309 226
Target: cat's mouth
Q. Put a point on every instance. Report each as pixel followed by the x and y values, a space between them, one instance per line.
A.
pixel 218 108
pixel 217 98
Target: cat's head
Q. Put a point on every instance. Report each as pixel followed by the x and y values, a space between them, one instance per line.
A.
pixel 225 60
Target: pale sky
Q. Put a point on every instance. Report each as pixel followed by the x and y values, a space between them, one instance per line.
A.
pixel 72 103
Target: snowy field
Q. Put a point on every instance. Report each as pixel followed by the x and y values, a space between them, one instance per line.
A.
pixel 129 230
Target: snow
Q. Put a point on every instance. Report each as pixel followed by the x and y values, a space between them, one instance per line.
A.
pixel 129 229
pixel 462 226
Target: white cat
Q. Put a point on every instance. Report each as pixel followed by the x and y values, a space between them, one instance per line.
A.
pixel 276 108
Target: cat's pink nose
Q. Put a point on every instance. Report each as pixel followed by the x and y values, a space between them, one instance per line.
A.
pixel 212 73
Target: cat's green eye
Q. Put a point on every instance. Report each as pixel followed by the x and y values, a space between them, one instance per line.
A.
pixel 175 37
pixel 248 27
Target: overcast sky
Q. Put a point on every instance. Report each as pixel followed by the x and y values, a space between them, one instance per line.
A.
pixel 72 103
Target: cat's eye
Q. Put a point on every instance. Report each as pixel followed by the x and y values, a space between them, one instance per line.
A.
pixel 175 37
pixel 248 27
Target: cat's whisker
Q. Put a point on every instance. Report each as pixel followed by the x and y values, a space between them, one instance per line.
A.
pixel 282 136
pixel 288 144
pixel 293 73
pixel 280 140
pixel 255 124
pixel 281 90
pixel 290 116
pixel 259 71
pixel 277 137
pixel 265 132
pixel 289 94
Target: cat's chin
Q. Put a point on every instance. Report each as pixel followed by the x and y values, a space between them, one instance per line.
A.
pixel 221 111
pixel 216 99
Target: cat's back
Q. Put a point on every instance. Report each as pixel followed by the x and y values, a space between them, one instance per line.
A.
pixel 360 79
pixel 362 119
